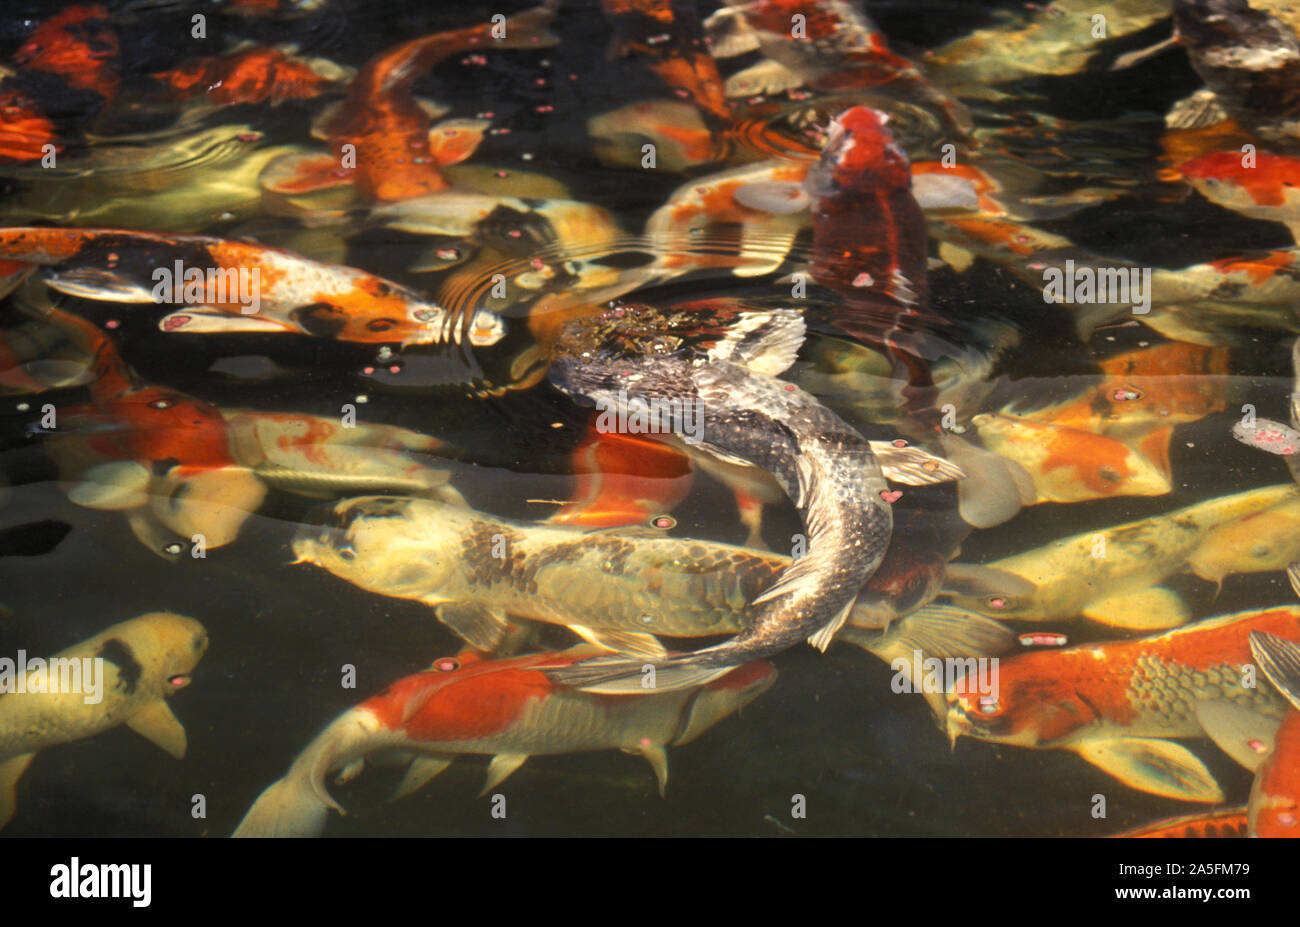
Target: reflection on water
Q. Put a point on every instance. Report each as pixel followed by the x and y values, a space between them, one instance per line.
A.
pixel 1065 282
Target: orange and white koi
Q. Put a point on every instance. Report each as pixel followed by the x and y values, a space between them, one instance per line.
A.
pixel 292 293
pixel 507 709
pixel 1259 185
pixel 1117 703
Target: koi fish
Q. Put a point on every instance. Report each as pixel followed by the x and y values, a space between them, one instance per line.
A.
pixel 144 661
pixel 77 49
pixel 623 480
pixel 1258 186
pixel 1275 437
pixel 677 130
pixel 1274 808
pixel 829 45
pixel 476 570
pixel 1116 704
pixel 824 465
pixel 764 199
pixel 1110 576
pixel 870 245
pixel 1258 543
pixel 508 709
pixel 383 128
pixel 1070 465
pixel 257 74
pixel 294 294
pixel 670 38
pixel 1230 822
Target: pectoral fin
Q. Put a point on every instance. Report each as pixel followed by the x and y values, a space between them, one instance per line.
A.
pixel 1153 765
pixel 421 770
pixel 11 770
pixel 1150 609
pixel 502 765
pixel 95 283
pixel 657 757
pixel 156 723
pixel 823 638
pixel 1245 735
pixel 482 628
pixel 113 486
pixel 204 319
pixel 912 466
pixel 625 642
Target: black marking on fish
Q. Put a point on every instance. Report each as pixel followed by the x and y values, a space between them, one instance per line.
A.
pixel 320 319
pixel 129 669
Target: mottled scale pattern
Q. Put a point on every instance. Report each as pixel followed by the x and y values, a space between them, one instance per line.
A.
pixel 1167 691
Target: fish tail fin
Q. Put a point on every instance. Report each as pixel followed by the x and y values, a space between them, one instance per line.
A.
pixel 289 807
pixel 11 770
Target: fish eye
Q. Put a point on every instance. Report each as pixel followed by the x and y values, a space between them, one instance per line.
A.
pixel 989 705
pixel 663 521
pixel 161 404
pixel 347 553
pixel 446 664
pixel 1108 474
pixel 381 325
pixel 997 602
pixel 179 681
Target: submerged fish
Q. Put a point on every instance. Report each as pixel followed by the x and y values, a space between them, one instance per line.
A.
pixel 145 660
pixel 380 134
pixel 617 588
pixel 1261 185
pixel 289 293
pixel 726 367
pixel 1274 809
pixel 1111 576
pixel 1230 822
pixel 507 709
pixel 1117 703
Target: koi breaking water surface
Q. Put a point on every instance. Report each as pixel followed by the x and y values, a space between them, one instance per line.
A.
pixel 470 420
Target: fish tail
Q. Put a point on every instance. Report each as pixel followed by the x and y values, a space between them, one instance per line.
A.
pixel 289 807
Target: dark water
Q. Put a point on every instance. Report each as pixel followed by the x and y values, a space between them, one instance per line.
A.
pixel 868 762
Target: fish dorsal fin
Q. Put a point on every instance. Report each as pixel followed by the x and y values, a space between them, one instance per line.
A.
pixel 156 723
pixel 1280 661
pixel 1153 765
pixel 765 342
pixel 1245 735
pixel 421 770
pixel 502 765
pixel 479 626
